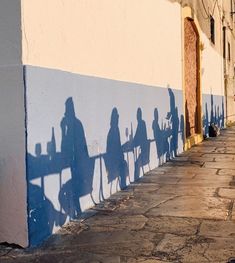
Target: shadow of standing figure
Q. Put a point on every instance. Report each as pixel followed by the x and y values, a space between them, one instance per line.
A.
pixel 115 163
pixel 141 140
pixel 174 124
pixel 206 122
pixel 75 155
pixel 158 137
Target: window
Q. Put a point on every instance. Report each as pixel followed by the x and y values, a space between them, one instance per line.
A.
pixel 229 52
pixel 231 7
pixel 212 27
pixel 224 42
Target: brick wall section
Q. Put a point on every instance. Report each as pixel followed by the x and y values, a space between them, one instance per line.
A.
pixel 190 53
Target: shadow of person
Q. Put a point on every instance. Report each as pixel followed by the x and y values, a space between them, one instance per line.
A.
pixel 182 126
pixel 212 118
pixel 222 114
pixel 158 137
pixel 115 163
pixel 141 144
pixel 187 121
pixel 42 214
pixel 174 125
pixel 75 155
pixel 206 121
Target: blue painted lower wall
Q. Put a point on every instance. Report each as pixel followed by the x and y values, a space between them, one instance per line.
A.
pixel 213 111
pixel 89 137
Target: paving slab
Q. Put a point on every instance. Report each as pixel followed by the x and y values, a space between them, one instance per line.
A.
pixel 104 223
pixel 173 225
pixel 220 165
pixel 227 193
pixel 226 172
pixel 200 182
pixel 233 212
pixel 146 260
pixel 212 228
pixel 219 157
pixel 193 206
pixel 186 190
pixel 138 206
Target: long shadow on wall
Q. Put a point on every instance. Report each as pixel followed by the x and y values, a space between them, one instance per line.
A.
pixel 174 120
pixel 141 145
pixel 160 140
pixel 115 163
pixel 74 155
pixel 166 134
pixel 47 171
pixel 216 115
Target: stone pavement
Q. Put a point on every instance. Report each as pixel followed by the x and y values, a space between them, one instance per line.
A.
pixel 182 211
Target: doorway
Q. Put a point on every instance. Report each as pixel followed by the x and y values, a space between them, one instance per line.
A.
pixel 191 77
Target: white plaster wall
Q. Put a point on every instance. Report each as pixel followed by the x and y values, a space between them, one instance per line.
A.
pixel 13 208
pixel 212 68
pixel 230 85
pixel 134 41
pixel 212 76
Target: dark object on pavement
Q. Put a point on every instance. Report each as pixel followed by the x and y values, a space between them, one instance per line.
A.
pixel 213 130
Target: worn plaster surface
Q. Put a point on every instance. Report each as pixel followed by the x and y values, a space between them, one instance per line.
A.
pixel 182 211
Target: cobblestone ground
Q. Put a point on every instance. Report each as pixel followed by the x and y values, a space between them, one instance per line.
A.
pixel 180 212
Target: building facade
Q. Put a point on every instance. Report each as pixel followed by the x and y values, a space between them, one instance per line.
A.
pixel 100 92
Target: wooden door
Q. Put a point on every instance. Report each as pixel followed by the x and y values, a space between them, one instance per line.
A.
pixel 191 69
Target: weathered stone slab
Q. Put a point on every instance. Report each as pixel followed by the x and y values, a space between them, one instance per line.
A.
pixel 195 249
pixel 192 206
pixel 102 223
pixel 214 228
pixel 220 250
pixel 160 180
pixel 230 150
pixel 220 157
pixel 144 187
pixel 202 159
pixel 233 213
pixel 182 249
pixel 220 165
pixel 190 153
pixel 171 243
pixel 187 190
pixel 142 205
pixel 203 149
pixel 176 173
pixel 227 172
pixel 203 180
pixel 227 193
pixel 173 225
pixel 213 178
pixel 189 164
pixel 64 256
pixel 145 260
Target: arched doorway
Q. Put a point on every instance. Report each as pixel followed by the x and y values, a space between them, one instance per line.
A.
pixel 191 79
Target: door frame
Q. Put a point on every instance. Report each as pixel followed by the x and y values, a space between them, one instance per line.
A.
pixel 187 13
